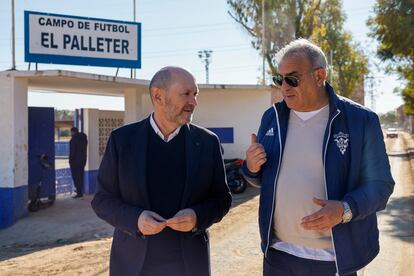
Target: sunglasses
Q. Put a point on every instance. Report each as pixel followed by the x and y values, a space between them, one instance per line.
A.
pixel 291 80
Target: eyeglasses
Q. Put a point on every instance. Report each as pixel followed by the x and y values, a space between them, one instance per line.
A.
pixel 291 80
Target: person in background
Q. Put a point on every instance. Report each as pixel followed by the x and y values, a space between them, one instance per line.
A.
pixel 77 159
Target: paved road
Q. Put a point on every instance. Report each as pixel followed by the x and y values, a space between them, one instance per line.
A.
pixel 396 222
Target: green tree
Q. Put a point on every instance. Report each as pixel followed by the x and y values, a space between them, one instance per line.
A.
pixel 320 21
pixel 393 27
pixel 285 20
pixel 389 118
pixel 64 115
pixel 348 63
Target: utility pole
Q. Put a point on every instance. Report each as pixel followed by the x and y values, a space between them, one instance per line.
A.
pixel 205 56
pixel 13 41
pixel 134 71
pixel 373 100
pixel 370 84
pixel 263 44
pixel 330 65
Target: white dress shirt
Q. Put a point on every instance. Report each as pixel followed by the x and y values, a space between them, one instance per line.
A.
pixel 159 133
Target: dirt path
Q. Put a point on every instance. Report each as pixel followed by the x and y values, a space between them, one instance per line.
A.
pixel 47 243
pixel 235 242
pixel 77 243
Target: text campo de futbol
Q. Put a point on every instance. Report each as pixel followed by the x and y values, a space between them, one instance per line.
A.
pixel 85 43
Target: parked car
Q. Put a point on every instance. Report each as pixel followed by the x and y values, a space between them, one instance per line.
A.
pixel 391 133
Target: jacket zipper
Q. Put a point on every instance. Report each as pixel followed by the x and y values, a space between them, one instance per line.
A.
pixel 274 184
pixel 326 187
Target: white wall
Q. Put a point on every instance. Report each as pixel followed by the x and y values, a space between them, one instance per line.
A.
pixel 146 105
pixel 90 119
pixel 14 137
pixel 133 104
pixel 240 109
pixel 98 135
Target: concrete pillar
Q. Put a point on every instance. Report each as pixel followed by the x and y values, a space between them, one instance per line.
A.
pixel 13 149
pixel 91 129
pixel 133 105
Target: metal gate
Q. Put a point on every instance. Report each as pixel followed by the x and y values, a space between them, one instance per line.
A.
pixel 41 145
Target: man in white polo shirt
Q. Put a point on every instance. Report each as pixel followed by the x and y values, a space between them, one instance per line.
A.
pixel 321 163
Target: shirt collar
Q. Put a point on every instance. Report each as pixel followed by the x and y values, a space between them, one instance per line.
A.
pixel 306 115
pixel 159 133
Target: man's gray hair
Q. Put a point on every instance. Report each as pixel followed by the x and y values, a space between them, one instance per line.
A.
pixel 303 47
pixel 162 79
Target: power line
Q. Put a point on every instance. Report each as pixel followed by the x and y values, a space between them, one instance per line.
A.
pixel 192 52
pixel 235 46
pixel 184 33
pixel 190 26
pixel 186 52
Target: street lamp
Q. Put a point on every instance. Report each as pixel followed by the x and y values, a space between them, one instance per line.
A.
pixel 205 56
pixel 134 71
pixel 263 45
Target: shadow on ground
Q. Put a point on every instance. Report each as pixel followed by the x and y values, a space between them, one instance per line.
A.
pixel 68 221
pixel 248 194
pixel 398 218
pixel 409 154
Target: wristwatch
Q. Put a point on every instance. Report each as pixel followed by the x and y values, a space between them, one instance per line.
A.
pixel 347 216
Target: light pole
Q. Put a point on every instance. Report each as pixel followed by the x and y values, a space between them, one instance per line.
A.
pixel 13 41
pixel 263 44
pixel 371 83
pixel 134 71
pixel 205 56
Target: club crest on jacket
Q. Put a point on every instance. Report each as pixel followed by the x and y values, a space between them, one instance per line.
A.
pixel 341 140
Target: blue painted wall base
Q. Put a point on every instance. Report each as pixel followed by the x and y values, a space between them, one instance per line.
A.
pixel 13 201
pixel 13 205
pixel 89 182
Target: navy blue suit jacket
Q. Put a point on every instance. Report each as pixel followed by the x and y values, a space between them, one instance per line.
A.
pixel 122 195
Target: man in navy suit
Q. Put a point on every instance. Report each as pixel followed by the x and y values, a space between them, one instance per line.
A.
pixel 161 184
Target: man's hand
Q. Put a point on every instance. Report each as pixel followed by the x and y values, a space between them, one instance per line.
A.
pixel 255 155
pixel 150 223
pixel 184 221
pixel 326 218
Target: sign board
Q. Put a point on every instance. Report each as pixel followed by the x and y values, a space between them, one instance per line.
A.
pixel 63 39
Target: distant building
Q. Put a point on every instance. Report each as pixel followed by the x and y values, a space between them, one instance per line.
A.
pixel 359 93
pixel 404 120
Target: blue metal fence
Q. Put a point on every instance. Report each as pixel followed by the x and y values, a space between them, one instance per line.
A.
pixel 61 149
pixel 64 182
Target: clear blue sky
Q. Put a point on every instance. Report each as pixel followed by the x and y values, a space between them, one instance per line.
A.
pixel 172 33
